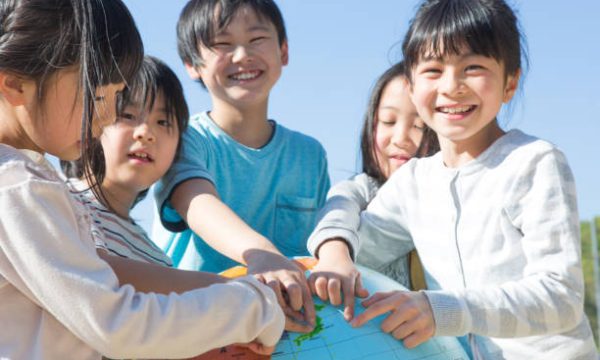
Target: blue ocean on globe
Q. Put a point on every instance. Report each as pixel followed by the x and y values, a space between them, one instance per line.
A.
pixel 334 338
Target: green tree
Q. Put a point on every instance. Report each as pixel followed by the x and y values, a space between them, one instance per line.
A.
pixel 588 273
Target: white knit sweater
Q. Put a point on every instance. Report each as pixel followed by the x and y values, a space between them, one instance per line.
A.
pixel 59 300
pixel 499 241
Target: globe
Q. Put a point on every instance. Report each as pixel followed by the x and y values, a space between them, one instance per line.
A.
pixel 334 338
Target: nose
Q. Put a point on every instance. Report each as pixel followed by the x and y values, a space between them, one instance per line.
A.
pixel 144 133
pixel 451 83
pixel 240 54
pixel 400 135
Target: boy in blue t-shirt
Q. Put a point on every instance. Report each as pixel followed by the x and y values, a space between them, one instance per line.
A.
pixel 273 179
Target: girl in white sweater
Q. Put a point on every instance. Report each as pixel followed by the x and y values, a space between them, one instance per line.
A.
pixel 493 215
pixel 62 64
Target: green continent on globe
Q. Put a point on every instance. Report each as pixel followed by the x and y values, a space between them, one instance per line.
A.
pixel 318 328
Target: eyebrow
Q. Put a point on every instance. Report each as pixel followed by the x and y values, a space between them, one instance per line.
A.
pixel 440 58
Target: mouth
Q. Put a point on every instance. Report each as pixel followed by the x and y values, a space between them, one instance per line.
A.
pixel 401 158
pixel 140 156
pixel 456 110
pixel 246 75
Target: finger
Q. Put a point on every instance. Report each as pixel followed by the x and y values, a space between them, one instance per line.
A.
pixel 309 306
pixel 311 283
pixel 416 338
pixel 297 325
pixel 294 294
pixel 258 348
pixel 372 311
pixel 360 291
pixel 397 318
pixel 403 330
pixel 375 298
pixel 321 288
pixel 296 316
pixel 275 286
pixel 348 290
pixel 333 289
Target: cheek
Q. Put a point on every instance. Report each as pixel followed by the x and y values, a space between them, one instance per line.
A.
pixel 416 137
pixel 382 138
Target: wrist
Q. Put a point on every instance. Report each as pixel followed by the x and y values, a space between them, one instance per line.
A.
pixel 334 248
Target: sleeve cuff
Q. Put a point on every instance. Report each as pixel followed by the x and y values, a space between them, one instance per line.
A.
pixel 449 313
pixel 322 235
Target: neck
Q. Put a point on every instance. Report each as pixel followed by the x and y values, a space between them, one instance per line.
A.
pixel 119 199
pixel 11 129
pixel 248 125
pixel 458 153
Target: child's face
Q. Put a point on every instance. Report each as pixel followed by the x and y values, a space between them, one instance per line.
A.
pixel 56 126
pixel 139 146
pixel 459 96
pixel 244 61
pixel 399 128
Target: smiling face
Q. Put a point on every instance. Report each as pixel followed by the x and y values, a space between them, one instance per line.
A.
pixel 399 129
pixel 459 96
pixel 243 62
pixel 139 147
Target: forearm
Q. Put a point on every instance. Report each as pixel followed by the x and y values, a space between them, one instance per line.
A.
pixel 146 277
pixel 198 203
pixel 340 216
pixel 532 306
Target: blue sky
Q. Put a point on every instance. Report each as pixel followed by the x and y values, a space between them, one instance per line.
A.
pixel 339 47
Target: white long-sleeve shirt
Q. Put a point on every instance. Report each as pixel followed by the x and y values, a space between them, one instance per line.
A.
pixel 59 300
pixel 499 241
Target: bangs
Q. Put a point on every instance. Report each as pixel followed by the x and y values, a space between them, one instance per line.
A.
pixel 153 79
pixel 451 27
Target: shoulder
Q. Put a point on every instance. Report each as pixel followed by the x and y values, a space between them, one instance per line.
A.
pixel 298 139
pixel 18 167
pixel 525 151
pixel 361 183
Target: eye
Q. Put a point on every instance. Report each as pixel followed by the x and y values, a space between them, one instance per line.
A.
pixel 126 117
pixel 220 45
pixel 419 126
pixel 165 123
pixel 387 122
pixel 258 39
pixel 474 68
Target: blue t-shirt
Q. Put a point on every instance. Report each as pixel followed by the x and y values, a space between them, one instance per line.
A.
pixel 276 189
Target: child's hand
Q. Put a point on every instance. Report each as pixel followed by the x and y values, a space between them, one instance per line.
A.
pixel 289 284
pixel 335 277
pixel 411 318
pixel 258 348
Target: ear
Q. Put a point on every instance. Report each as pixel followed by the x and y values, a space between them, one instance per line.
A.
pixel 192 71
pixel 285 57
pixel 13 88
pixel 512 83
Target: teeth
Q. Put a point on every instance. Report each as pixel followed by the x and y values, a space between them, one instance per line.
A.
pixel 245 75
pixel 141 155
pixel 455 109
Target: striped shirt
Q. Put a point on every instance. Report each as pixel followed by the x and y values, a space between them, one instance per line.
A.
pixel 499 240
pixel 119 236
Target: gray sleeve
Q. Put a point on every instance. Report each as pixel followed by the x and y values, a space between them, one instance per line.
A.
pixel 340 216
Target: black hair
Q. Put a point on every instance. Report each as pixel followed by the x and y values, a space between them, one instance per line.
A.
pixel 200 19
pixel 154 78
pixel 370 165
pixel 444 27
pixel 40 37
